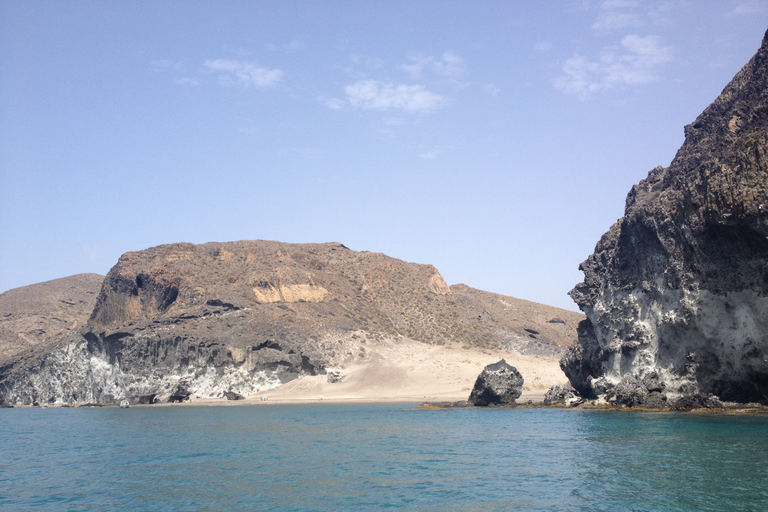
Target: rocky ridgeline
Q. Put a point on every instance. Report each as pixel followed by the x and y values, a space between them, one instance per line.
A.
pixel 32 314
pixel 676 292
pixel 237 318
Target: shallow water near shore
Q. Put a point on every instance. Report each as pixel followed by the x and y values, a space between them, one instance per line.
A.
pixel 378 456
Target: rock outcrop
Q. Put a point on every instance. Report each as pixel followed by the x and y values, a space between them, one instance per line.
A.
pixel 562 395
pixel 238 318
pixel 497 384
pixel 676 292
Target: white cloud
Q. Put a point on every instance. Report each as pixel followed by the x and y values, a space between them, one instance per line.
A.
pixel 448 65
pixel 636 62
pixel 617 15
pixel 237 72
pixel 374 94
pixel 187 80
pixel 748 8
pixel 334 103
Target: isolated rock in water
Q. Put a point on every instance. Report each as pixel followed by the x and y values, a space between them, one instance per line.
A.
pixel 559 395
pixel 676 292
pixel 498 384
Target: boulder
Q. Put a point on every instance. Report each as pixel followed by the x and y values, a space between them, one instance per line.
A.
pixel 562 395
pixel 231 395
pixel 498 384
pixel 180 393
pixel 335 375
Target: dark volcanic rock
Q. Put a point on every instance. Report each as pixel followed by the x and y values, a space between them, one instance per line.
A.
pixel 231 395
pixel 146 399
pixel 497 384
pixel 245 317
pixel 559 395
pixel 676 292
pixel 180 393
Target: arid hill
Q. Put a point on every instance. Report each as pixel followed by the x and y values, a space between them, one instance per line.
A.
pixel 32 314
pixel 243 317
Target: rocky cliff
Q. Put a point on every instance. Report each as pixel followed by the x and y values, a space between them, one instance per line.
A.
pixel 676 292
pixel 243 317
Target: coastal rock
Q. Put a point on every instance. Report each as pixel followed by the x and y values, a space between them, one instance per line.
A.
pixel 231 395
pixel 497 384
pixel 245 317
pixel 560 395
pixel 335 375
pixel 676 292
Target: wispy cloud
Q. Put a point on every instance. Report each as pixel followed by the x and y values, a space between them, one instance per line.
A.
pixel 423 91
pixel 616 15
pixel 447 65
pixel 293 46
pixel 543 46
pixel 378 95
pixel 187 80
pixel 748 8
pixel 430 155
pixel 235 72
pixel 162 65
pixel 637 61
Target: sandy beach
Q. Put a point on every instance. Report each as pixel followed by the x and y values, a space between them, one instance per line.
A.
pixel 409 371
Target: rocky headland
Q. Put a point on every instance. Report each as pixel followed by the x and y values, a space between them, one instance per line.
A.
pixel 238 318
pixel 676 292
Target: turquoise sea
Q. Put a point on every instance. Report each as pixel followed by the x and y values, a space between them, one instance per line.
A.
pixel 371 457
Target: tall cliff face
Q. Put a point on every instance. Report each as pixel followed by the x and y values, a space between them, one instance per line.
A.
pixel 676 292
pixel 244 317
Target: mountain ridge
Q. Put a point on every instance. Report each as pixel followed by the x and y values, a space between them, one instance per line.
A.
pixel 247 316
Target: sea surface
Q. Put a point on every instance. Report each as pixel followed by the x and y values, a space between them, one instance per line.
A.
pixel 371 457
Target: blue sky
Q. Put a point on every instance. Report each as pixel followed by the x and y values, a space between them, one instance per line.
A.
pixel 494 140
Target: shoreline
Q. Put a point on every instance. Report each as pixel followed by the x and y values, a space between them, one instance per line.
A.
pixel 526 401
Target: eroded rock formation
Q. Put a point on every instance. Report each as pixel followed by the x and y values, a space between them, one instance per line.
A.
pixel 676 292
pixel 238 318
pixel 498 384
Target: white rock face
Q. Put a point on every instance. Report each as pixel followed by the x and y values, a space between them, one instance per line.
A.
pixel 82 372
pixel 676 292
pixel 690 341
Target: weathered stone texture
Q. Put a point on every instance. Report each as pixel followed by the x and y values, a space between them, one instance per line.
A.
pixel 676 292
pixel 497 384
